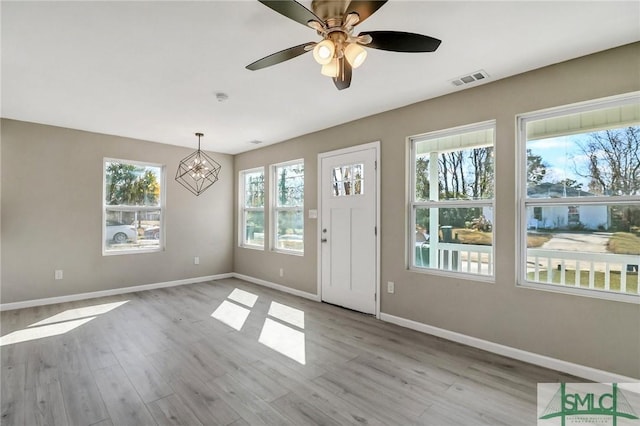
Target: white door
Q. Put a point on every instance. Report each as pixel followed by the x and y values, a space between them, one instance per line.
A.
pixel 348 231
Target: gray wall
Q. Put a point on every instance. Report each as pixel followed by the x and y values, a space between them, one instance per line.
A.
pixel 597 333
pixel 52 211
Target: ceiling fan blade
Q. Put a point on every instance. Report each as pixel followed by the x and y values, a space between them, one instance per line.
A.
pixel 343 81
pixel 281 56
pixel 398 41
pixel 292 10
pixel 364 8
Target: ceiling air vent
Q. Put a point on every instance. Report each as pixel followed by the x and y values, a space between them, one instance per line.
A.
pixel 470 78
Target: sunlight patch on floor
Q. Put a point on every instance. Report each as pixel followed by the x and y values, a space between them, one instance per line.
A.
pixel 87 311
pixel 287 314
pixel 283 339
pixel 231 314
pixel 60 323
pixel 243 297
pixel 34 333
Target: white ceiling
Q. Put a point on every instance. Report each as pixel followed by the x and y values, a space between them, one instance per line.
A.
pixel 150 70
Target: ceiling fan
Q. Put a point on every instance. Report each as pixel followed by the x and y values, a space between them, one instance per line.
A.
pixel 340 50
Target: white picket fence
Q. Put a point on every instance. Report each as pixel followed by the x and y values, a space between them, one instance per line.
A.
pixel 541 264
pixel 541 260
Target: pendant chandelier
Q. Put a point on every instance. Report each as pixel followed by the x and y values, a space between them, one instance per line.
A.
pixel 198 171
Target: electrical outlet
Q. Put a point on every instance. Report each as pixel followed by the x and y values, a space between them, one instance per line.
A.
pixel 282 272
pixel 391 287
pixel 196 260
pixel 58 274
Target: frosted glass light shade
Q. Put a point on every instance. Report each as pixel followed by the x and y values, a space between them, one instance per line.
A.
pixel 330 69
pixel 355 54
pixel 323 52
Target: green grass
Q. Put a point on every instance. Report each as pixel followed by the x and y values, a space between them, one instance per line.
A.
pixel 598 279
pixel 624 243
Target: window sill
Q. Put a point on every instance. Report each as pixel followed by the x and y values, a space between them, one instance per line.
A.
pixel 584 292
pixel 140 251
pixel 489 279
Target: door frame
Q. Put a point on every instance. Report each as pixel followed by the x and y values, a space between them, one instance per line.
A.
pixel 371 145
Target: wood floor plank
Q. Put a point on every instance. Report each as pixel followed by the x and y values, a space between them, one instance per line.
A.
pixel 365 396
pixel 170 410
pixel 122 401
pixel 336 407
pixel 207 405
pixel 146 380
pixel 300 412
pixel 247 404
pixel 83 403
pixel 12 390
pixel 45 405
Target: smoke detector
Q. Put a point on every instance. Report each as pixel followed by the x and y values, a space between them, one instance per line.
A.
pixel 221 97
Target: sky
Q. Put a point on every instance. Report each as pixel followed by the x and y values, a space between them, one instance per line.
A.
pixel 563 158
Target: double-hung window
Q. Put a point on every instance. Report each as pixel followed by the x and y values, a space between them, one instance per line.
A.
pixel 252 208
pixel 451 200
pixel 133 207
pixel 288 207
pixel 579 185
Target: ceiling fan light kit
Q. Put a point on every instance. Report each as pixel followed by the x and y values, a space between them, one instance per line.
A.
pixel 340 50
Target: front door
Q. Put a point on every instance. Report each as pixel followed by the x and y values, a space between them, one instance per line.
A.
pixel 348 231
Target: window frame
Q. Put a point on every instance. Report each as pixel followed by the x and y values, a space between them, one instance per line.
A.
pixel 413 205
pixel 160 206
pixel 274 209
pixel 597 200
pixel 242 242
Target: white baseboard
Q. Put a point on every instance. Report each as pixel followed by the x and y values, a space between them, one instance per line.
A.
pixel 278 287
pixel 110 292
pixel 589 373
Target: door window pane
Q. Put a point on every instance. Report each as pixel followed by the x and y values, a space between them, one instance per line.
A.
pixel 348 180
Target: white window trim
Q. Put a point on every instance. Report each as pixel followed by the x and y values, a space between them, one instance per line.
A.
pixel 412 205
pixel 521 196
pixel 243 210
pixel 161 207
pixel 273 207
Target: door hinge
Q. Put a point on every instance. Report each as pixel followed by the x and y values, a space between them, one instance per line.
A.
pixel 375 231
pixel 375 297
pixel 375 165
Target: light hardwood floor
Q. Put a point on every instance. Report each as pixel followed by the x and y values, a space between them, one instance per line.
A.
pixel 161 358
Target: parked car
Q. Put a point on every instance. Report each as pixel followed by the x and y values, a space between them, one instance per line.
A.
pixel 152 233
pixel 121 233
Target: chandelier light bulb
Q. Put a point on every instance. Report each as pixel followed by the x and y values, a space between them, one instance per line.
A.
pixel 324 51
pixel 355 54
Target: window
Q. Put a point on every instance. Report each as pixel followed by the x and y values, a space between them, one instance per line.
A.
pixel 451 203
pixel 580 198
pixel 252 208
pixel 288 207
pixel 133 207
